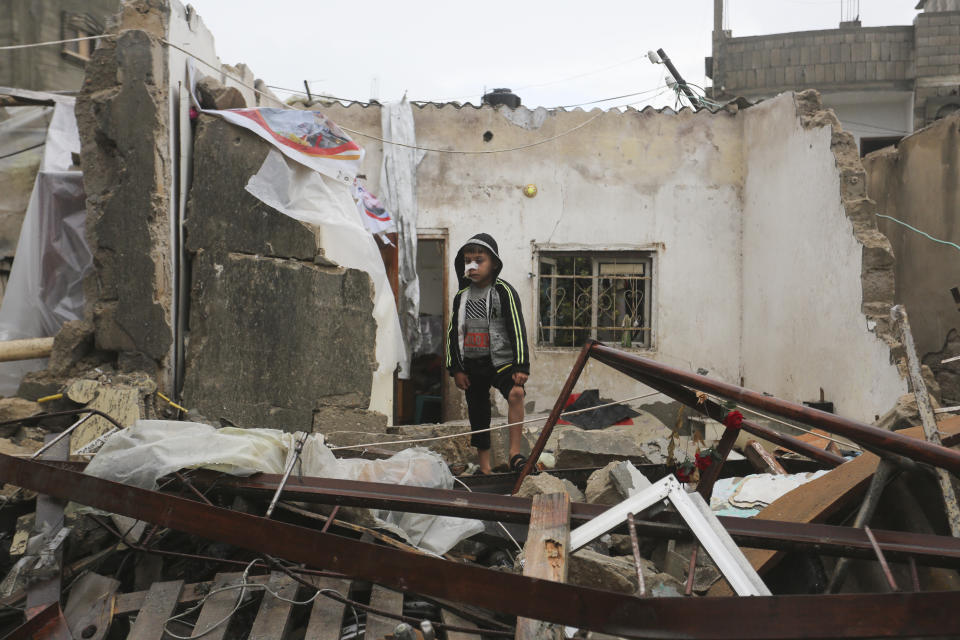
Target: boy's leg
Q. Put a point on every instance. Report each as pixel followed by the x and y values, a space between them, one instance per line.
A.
pixel 478 409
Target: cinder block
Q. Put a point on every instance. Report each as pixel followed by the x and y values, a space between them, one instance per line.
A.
pixel 871 70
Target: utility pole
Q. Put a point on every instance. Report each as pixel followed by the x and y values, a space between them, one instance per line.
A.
pixel 694 101
pixel 306 86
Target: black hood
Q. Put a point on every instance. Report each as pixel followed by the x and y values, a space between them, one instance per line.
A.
pixel 484 240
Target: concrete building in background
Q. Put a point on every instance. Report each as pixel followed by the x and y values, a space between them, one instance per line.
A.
pixel 883 82
pixel 56 67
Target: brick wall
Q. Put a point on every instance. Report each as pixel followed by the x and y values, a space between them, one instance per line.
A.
pixel 831 59
pixel 938 63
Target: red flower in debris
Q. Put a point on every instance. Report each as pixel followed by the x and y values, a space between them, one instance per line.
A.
pixel 684 472
pixel 704 460
pixel 734 420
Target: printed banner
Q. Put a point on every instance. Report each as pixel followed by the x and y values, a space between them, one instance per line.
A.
pixel 375 217
pixel 309 137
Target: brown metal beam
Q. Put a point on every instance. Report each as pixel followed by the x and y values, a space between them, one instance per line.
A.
pixel 768 617
pixel 713 410
pixel 931 550
pixel 859 432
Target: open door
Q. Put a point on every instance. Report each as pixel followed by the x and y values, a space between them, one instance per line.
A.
pixel 420 399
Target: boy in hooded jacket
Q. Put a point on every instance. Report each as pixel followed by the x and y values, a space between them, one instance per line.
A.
pixel 487 344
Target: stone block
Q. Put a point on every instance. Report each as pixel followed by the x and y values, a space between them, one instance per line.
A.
pixel 221 215
pixel 333 418
pixel 543 484
pixel 213 95
pixel 270 338
pixel 587 568
pixel 627 479
pixel 597 448
pixel 600 487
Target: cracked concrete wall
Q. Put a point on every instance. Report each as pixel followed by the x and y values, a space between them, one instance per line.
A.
pixel 767 268
pixel 818 275
pixel 918 182
pixel 279 336
pixel 124 128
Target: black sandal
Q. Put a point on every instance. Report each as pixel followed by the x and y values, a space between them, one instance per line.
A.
pixel 518 462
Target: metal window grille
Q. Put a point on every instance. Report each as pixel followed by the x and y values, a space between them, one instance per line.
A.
pixel 603 295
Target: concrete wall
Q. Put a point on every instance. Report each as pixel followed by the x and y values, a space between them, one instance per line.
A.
pixel 43 68
pixel 872 114
pixel 833 59
pixel 682 186
pixel 919 183
pixel 810 283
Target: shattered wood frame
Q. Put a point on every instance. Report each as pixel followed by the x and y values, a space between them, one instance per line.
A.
pixel 674 383
pixel 724 618
pixel 696 513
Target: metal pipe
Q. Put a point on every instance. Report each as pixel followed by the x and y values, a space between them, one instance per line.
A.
pixel 694 101
pixel 297 449
pixel 554 416
pixel 713 410
pixel 883 561
pixel 66 432
pixel 637 559
pixel 859 432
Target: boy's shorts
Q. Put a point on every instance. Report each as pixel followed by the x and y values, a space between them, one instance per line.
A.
pixel 482 376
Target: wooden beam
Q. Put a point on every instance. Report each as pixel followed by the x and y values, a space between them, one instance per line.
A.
pixel 546 555
pixel 157 609
pixel 26 349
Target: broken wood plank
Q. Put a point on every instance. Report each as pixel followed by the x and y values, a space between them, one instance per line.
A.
pixel 89 609
pixel 326 616
pixel 159 605
pixel 819 499
pixel 545 555
pixel 926 416
pixel 453 619
pixel 385 600
pixel 273 618
pixel 215 615
pixel 129 602
pixel 761 459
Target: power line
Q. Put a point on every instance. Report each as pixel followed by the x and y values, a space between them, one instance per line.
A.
pixel 10 155
pixel 48 42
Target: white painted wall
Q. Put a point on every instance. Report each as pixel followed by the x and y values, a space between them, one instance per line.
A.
pixel 757 270
pixel 803 329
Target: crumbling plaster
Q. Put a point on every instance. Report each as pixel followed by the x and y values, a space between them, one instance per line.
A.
pixel 761 272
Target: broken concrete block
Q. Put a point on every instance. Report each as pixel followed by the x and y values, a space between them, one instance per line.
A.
pixel 577 448
pixel 17 409
pixel 674 559
pixel 600 487
pixel 213 95
pixel 627 478
pixel 574 492
pixel 588 568
pixel 542 484
pixel 271 338
pixel 72 344
pixel 333 418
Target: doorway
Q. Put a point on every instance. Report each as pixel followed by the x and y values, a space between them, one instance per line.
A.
pixel 421 398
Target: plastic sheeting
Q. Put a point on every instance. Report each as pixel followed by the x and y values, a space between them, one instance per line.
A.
pixel 398 187
pixel 311 197
pixel 22 135
pixel 150 449
pixel 45 287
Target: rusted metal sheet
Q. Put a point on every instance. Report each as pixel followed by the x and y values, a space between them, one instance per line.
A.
pixel 930 550
pixel 770 617
pixel 859 432
pixel 47 624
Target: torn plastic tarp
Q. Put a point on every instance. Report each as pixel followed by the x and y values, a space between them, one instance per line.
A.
pixel 310 197
pixel 398 189
pixel 308 137
pixel 45 287
pixel 151 449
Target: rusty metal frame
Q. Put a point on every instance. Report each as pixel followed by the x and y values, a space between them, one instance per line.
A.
pixel 824 539
pixel 768 617
pixel 678 384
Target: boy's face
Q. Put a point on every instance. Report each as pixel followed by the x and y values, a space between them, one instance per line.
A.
pixel 483 273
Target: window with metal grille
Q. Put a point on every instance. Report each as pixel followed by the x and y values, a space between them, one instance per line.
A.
pixel 603 295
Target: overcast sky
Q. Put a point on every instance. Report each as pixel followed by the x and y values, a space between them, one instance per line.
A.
pixel 552 53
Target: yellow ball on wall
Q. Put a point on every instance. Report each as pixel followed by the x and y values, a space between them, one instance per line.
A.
pixel 530 190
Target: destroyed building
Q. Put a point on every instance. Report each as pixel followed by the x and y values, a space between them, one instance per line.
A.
pixel 224 397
